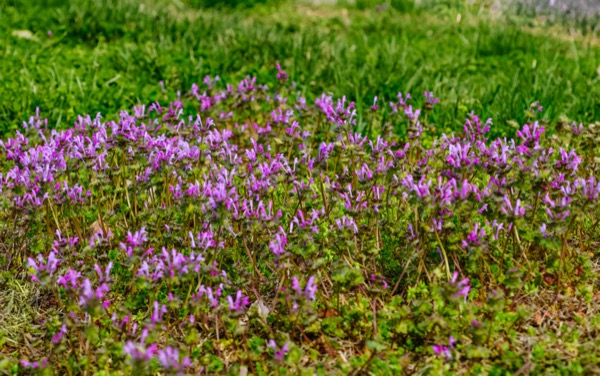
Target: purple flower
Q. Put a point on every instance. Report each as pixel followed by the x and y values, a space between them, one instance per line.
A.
pixel 278 354
pixel 169 359
pixel 308 292
pixel 240 302
pixel 430 100
pixel 140 351
pixel 537 107
pixel 277 245
pixel 41 266
pixel 374 107
pixel 70 279
pixel 59 335
pixel 138 238
pixel 311 288
pixel 346 222
pixel 451 341
pixel 530 135
pixel 569 160
pixel 442 350
pixel 461 286
pixel 88 295
pixel 445 351
pixel 543 231
pixel 158 312
pixel 475 237
pixel 412 115
pixel 473 128
pixel 401 104
pixel 103 275
pixel 589 188
pixel 34 365
pixel 510 210
pixel 282 75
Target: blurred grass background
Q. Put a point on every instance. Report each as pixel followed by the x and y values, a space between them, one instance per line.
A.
pixel 78 57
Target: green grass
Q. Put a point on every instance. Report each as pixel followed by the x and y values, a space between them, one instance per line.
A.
pixel 105 56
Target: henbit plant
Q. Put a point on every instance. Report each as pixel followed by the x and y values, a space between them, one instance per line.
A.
pixel 268 235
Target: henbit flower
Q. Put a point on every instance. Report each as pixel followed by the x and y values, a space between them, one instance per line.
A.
pixel 412 115
pixel 374 278
pixel 279 116
pixel 569 160
pixel 169 359
pixel 346 222
pixel 64 241
pixel 309 290
pixel 180 153
pixel 543 231
pixel 410 233
pixel 374 107
pixel 158 312
pixel 537 107
pixel 518 210
pixel 401 104
pixel 70 279
pixel 282 76
pixel 445 350
pixel 430 100
pixel 88 295
pixel 461 286
pixel 278 354
pixel 277 245
pixel 531 135
pixel 34 365
pixel 213 297
pixel 475 237
pixel 589 188
pixel 442 350
pixel 56 338
pixel 240 302
pixel 43 266
pixel 473 128
pixel 139 351
pixel 103 276
pixel 138 238
pixel 577 128
pixel 451 341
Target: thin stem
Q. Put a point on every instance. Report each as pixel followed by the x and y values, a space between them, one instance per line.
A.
pixel 443 252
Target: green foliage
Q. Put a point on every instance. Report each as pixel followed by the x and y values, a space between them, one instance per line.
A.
pixel 104 56
pixel 531 305
pixel 225 4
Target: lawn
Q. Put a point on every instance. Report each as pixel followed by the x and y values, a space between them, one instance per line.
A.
pixel 89 57
pixel 209 187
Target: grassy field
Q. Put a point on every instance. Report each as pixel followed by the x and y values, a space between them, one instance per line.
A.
pixel 87 57
pixel 174 223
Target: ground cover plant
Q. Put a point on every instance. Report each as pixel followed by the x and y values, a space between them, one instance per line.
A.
pixel 268 235
pixel 297 214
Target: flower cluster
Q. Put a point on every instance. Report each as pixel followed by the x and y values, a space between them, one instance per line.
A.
pixel 163 229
